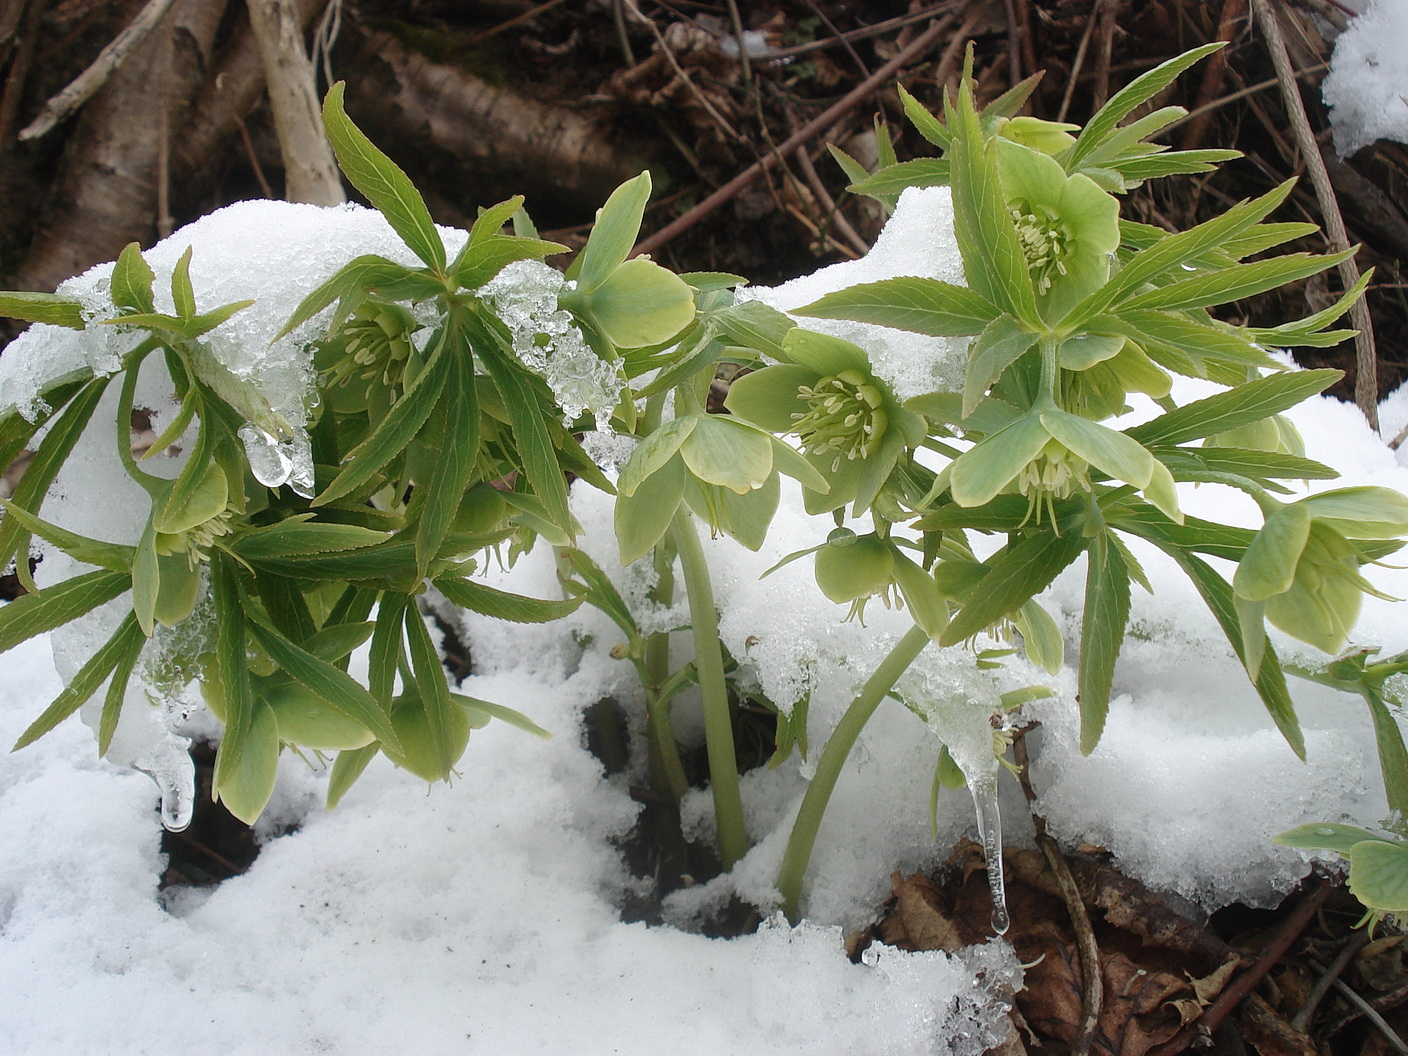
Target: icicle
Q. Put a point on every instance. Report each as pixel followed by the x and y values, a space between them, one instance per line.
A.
pixel 990 833
pixel 168 763
pixel 275 463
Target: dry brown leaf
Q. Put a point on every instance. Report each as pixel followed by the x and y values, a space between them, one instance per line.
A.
pixel 1269 1034
pixel 922 919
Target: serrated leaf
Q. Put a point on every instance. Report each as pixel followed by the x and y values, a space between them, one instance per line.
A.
pixel 490 221
pixel 395 432
pixel 126 641
pixel 1140 90
pixel 183 295
pixel 1171 163
pixel 1160 333
pixel 354 278
pixel 600 593
pixel 292 538
pixel 379 178
pixel 1312 323
pixel 434 690
pixel 113 556
pixel 1016 573
pixel 208 321
pixel 32 614
pixel 454 464
pixel 1101 635
pixel 527 419
pixel 1172 251
pixel 1236 282
pixel 132 280
pixel 919 305
pixel 48 308
pixel 1229 410
pixel 481 261
pixel 231 669
pixel 502 605
pixel 893 180
pixel 997 348
pixel 327 682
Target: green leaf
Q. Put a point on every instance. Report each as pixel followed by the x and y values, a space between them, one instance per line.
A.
pixel 31 614
pixel 1206 537
pixel 1326 836
pixel 501 605
pixel 1301 328
pixel 454 464
pixel 42 308
pixel 208 321
pixel 1104 123
pixel 925 123
pixel 1237 282
pixel 614 233
pixel 434 691
pixel 1270 681
pixel 53 451
pixel 1101 635
pixel 1378 875
pixel 894 179
pixel 388 188
pixel 1172 163
pixel 755 325
pixel 1172 251
pixel 327 682
pixel 922 306
pixel 1393 754
pixel 132 280
pixel 352 280
pixel 491 221
pixel 1229 410
pixel 113 556
pixel 387 648
pixel 481 261
pixel 126 642
pixel 527 412
pixel 395 432
pixel 1267 236
pixel 16 431
pixel 240 394
pixel 992 253
pixel 599 591
pixel 245 786
pixel 1261 466
pixel 346 768
pixel 1016 573
pixel 182 293
pixel 996 349
pixel 232 671
pixel 489 709
pixel 146 581
pixel 117 693
pixel 643 515
pixel 291 538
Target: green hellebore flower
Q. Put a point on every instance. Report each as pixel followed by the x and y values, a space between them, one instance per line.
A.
pixel 1046 455
pixel 732 460
pixel 1301 570
pixel 1049 137
pixel 855 568
pixel 1069 228
pixel 852 428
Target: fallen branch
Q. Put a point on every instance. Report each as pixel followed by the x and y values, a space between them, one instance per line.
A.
pixel 87 83
pixel 1366 373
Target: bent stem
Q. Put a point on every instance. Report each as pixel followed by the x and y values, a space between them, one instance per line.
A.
pixel 665 766
pixel 833 758
pixel 708 658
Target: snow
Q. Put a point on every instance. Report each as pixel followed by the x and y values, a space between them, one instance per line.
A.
pixel 1367 87
pixel 483 917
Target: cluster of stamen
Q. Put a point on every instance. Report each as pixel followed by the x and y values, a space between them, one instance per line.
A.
pixel 197 542
pixel 1054 474
pixel 1045 243
pixel 845 413
pixel 374 343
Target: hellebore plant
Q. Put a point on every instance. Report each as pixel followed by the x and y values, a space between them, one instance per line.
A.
pixel 445 422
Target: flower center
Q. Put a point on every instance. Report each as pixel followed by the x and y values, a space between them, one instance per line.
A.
pixel 1052 475
pixel 1046 242
pixel 845 413
pixel 373 343
pixel 196 542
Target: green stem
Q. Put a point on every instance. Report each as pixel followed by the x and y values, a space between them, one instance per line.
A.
pixel 655 671
pixel 718 724
pixel 833 758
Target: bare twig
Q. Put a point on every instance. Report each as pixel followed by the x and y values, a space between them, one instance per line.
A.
pixel 516 20
pixel 1366 375
pixel 1243 985
pixel 19 69
pixel 838 35
pixel 1088 950
pixel 1370 1013
pixel 1014 42
pixel 87 83
pixel 1251 89
pixel 729 132
pixel 1076 65
pixel 833 214
pixel 1355 943
pixel 819 124
pixel 1233 12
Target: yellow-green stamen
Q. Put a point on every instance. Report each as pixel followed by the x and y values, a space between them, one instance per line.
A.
pixel 845 413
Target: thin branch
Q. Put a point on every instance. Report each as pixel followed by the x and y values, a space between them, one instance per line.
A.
pixel 1366 374
pixel 810 130
pixel 87 83
pixel 1370 1013
pixel 1355 943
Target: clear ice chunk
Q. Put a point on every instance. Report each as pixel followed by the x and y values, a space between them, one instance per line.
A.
pixel 275 463
pixel 168 763
pixel 990 835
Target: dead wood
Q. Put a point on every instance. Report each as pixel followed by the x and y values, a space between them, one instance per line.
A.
pixel 106 192
pixel 478 143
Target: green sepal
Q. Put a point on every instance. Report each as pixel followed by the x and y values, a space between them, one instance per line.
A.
pixel 244 787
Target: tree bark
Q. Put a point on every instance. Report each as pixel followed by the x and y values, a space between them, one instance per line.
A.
pixel 310 170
